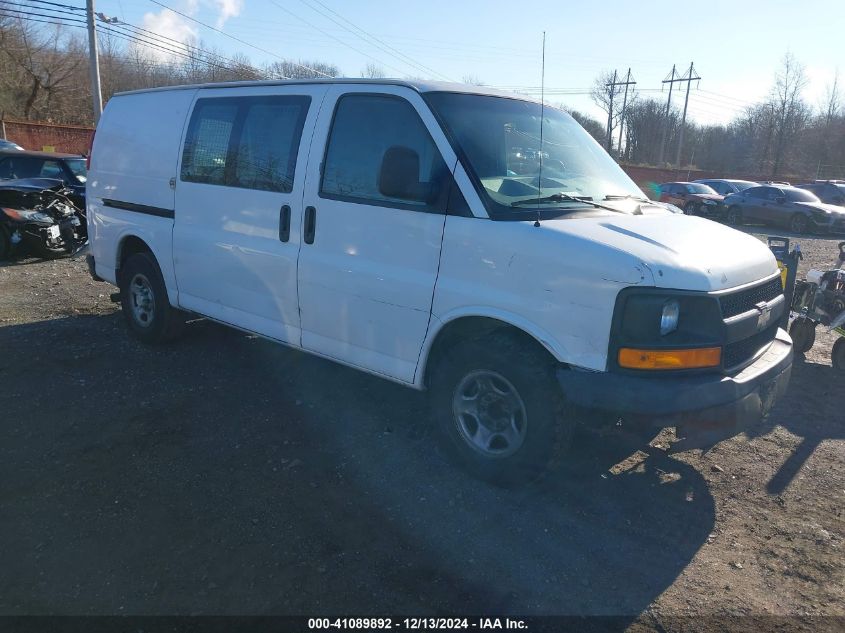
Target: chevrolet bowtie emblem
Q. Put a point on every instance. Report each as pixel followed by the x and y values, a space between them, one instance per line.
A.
pixel 764 316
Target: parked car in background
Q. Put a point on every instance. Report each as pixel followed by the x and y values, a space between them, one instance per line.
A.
pixel 70 169
pixel 725 186
pixel 828 191
pixel 38 213
pixel 5 144
pixel 693 197
pixel 797 209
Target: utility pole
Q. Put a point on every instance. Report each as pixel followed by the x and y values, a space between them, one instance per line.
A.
pixel 612 86
pixel 671 83
pixel 689 79
pixel 94 63
pixel 628 82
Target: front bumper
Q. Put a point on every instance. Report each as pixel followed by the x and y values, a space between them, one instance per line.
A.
pixel 691 402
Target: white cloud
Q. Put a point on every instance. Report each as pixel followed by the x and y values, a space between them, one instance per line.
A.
pixel 170 25
pixel 227 9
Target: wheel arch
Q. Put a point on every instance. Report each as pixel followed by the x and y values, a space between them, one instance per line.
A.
pixel 478 323
pixel 133 242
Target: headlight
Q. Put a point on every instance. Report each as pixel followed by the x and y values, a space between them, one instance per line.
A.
pixel 669 317
pixel 23 215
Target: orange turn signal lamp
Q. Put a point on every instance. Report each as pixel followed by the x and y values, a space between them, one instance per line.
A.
pixel 670 358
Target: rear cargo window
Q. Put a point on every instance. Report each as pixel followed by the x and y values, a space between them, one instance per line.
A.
pixel 207 144
pixel 248 142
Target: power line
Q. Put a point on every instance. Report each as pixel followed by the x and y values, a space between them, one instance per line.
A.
pixel 317 28
pixel 237 39
pixel 40 15
pixel 121 35
pixel 381 44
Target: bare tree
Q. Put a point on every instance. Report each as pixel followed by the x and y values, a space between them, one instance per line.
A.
pixel 609 98
pixel 790 111
pixel 373 71
pixel 47 61
pixel 832 100
pixel 302 69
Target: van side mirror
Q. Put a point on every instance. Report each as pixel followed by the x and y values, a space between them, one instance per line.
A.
pixel 399 176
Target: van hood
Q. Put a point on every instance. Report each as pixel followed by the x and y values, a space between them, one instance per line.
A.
pixel 680 251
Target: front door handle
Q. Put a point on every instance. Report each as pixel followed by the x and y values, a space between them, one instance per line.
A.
pixel 310 224
pixel 284 223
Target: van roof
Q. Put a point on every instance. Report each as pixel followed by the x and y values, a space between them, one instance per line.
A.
pixel 418 85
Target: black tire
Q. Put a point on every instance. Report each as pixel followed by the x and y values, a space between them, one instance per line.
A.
pixel 734 216
pixel 545 420
pixel 690 208
pixel 798 223
pixel 803 333
pixel 837 356
pixel 5 244
pixel 47 252
pixel 157 321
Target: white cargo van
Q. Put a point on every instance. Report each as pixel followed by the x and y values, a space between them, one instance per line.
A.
pixel 425 233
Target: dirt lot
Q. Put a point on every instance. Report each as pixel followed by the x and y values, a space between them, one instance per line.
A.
pixel 228 475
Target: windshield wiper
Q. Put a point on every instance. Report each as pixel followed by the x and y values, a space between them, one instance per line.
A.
pixel 627 196
pixel 560 197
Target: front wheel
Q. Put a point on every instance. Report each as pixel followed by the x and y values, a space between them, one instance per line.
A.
pixel 143 296
pixel 734 216
pixel 803 334
pixel 798 223
pixel 690 208
pixel 498 409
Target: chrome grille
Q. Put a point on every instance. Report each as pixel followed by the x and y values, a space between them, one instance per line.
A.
pixel 745 300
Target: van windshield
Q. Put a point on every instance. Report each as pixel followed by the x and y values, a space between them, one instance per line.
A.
pixel 499 139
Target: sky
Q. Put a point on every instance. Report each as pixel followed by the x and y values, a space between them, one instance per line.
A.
pixel 737 46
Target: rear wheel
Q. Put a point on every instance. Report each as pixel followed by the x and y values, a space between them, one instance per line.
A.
pixel 149 315
pixel 498 410
pixel 798 223
pixel 837 356
pixel 803 333
pixel 734 216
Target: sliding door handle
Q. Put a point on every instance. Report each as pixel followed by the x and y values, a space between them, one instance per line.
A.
pixel 310 224
pixel 284 223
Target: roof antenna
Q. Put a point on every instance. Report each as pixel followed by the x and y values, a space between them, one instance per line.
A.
pixel 542 117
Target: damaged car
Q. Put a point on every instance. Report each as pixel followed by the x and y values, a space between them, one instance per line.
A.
pixel 39 214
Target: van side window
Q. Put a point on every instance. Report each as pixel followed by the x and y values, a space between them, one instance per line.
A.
pixel 207 142
pixel 248 142
pixel 377 146
pixel 269 142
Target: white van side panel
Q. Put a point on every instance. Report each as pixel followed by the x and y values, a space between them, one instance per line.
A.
pixel 134 156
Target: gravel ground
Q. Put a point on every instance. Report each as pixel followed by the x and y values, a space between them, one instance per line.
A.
pixel 227 475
